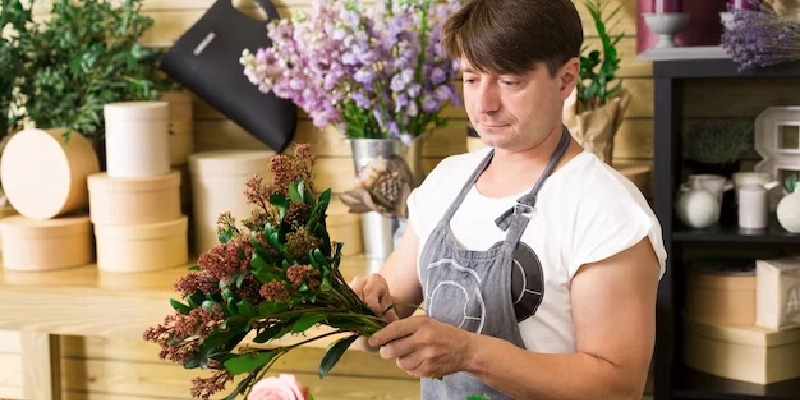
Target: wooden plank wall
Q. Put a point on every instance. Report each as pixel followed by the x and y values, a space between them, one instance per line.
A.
pixel 128 369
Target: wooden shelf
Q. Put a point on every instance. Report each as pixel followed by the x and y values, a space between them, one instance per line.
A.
pixel 728 233
pixel 719 68
pixel 696 385
pixel 669 82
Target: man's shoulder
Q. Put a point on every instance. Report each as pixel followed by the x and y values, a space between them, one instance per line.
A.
pixel 592 179
pixel 455 167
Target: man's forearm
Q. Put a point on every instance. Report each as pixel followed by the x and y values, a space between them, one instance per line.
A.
pixel 522 374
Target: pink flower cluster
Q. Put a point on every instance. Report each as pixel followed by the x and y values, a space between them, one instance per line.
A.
pixel 281 387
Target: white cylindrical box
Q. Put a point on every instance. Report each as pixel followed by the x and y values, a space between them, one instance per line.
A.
pixel 140 248
pixel 137 139
pixel 752 206
pixel 134 201
pixel 181 125
pixel 44 175
pixel 41 245
pixel 218 182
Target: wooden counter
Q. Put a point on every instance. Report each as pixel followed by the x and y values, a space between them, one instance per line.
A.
pixel 79 336
pixel 86 301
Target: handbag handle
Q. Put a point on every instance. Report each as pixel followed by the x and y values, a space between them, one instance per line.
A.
pixel 269 9
pixel 266 5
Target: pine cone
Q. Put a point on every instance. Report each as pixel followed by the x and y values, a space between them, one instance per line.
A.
pixel 386 189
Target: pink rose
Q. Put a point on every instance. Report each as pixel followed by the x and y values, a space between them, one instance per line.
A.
pixel 282 387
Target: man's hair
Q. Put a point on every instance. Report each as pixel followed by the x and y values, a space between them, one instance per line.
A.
pixel 512 36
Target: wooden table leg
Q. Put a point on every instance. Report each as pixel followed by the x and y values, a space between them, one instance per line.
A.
pixel 41 378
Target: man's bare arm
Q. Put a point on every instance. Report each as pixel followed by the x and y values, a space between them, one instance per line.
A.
pixel 400 272
pixel 613 305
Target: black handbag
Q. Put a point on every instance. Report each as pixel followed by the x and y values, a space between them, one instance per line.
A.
pixel 205 60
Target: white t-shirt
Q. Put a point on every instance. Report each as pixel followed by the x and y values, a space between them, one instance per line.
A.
pixel 586 211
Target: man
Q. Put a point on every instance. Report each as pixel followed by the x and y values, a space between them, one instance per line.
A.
pixel 537 263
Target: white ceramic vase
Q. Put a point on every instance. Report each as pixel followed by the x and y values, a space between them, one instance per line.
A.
pixel 788 212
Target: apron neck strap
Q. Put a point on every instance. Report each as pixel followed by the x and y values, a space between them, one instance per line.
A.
pixel 527 202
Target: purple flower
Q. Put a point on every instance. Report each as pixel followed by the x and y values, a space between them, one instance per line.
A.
pixel 371 71
pixel 760 39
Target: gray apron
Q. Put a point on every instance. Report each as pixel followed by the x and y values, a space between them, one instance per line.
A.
pixel 487 292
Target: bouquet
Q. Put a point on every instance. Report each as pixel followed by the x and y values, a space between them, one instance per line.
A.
pixel 374 72
pixel 277 273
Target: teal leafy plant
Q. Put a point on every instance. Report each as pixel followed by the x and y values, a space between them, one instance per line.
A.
pixel 277 274
pixel 597 77
pixel 84 55
pixel 595 110
pixel 15 19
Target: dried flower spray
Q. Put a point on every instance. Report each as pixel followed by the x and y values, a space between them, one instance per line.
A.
pixel 276 274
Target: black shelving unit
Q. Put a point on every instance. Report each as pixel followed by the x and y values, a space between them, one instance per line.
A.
pixel 672 379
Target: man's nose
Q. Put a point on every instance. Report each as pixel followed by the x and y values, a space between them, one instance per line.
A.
pixel 488 98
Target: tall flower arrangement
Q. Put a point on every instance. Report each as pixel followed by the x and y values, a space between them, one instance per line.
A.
pixel 373 71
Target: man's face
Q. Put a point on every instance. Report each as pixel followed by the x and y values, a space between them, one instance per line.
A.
pixel 516 112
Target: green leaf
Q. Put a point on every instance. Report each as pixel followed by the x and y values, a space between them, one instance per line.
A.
pixel 295 193
pixel 278 200
pixel 269 308
pixel 342 323
pixel 196 299
pixel 273 240
pixel 324 199
pixel 337 253
pixel 272 333
pixel 179 307
pixel 226 235
pixel 317 258
pixel 304 192
pixel 209 304
pixel 258 262
pixel 245 363
pixel 267 276
pixel 218 339
pixel 245 308
pixel 194 267
pixel 333 354
pixel 242 386
pixel 240 280
pixel 307 321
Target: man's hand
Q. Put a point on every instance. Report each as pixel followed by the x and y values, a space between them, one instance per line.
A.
pixel 423 346
pixel 374 291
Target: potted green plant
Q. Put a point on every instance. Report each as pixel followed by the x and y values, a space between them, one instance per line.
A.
pixel 595 110
pixel 17 16
pixel 717 145
pixel 86 55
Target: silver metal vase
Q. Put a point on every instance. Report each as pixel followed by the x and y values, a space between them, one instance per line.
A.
pixel 378 231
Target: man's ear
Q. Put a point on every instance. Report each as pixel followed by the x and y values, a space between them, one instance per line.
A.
pixel 569 76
